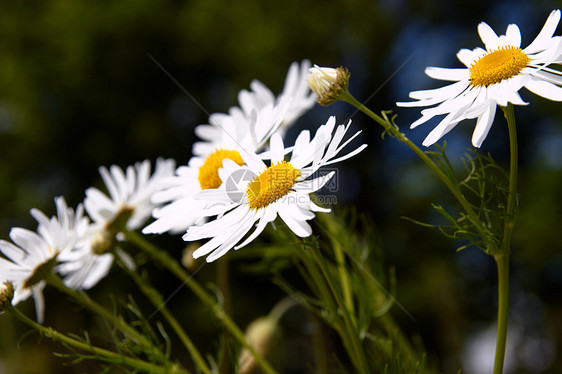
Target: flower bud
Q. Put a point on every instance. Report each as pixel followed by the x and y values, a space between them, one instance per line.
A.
pixel 6 294
pixel 262 334
pixel 328 83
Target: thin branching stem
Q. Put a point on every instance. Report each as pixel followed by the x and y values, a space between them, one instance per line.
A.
pixel 394 131
pixel 98 353
pixel 175 268
pixel 156 299
pixel 83 299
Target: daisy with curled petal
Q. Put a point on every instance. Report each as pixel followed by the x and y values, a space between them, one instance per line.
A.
pixel 32 256
pixel 282 189
pixel 492 77
pixel 246 127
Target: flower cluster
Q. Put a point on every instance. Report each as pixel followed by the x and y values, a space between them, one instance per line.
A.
pixel 243 147
pixel 73 245
pixel 232 178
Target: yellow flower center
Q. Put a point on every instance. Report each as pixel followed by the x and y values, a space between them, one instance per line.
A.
pixel 272 184
pixel 209 171
pixel 498 65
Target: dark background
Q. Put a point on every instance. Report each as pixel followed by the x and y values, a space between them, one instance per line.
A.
pixel 79 90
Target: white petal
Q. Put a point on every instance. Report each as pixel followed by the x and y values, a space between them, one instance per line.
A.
pixel 300 228
pixel 544 89
pixel 513 35
pixel 446 125
pixel 99 270
pixel 467 57
pixel 423 119
pixel 447 74
pixel 488 36
pixel 345 157
pixel 276 148
pixel 313 185
pixel 542 40
pixel 242 229
pixel 39 300
pixel 268 216
pixel 431 97
pixel 12 252
pixel 483 126
pixel 549 75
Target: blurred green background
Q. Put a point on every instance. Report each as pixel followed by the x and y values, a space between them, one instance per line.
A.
pixel 78 90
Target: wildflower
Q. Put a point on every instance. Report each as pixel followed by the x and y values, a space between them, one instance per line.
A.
pixel 283 188
pixel 492 77
pixel 182 209
pixel 129 194
pixel 32 256
pixel 328 83
pixel 128 205
pixel 249 127
pixel 259 115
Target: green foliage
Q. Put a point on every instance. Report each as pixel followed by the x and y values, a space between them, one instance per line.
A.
pixel 485 189
pixel 349 291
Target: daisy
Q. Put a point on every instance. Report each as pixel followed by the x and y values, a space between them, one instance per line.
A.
pixel 129 193
pixel 247 127
pixel 182 209
pixel 260 114
pixel 281 189
pixel 492 77
pixel 128 204
pixel 32 256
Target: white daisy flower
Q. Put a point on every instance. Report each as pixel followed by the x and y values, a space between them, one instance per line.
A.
pixel 283 189
pixel 260 114
pixel 129 193
pixel 178 191
pixel 129 203
pixel 492 77
pixel 248 127
pixel 33 255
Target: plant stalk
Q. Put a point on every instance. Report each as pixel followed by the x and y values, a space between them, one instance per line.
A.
pixel 156 299
pixel 99 353
pixel 175 268
pixel 394 131
pixel 502 258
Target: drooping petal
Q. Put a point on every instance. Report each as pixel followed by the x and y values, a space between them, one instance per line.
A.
pixel 483 125
pixel 544 89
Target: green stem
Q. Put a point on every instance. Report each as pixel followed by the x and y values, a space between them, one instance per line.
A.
pixel 156 299
pixel 344 278
pixel 502 262
pixel 452 186
pixel 513 175
pixel 83 299
pixel 502 258
pixel 99 353
pixel 175 268
pixel 348 326
pixel 223 283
